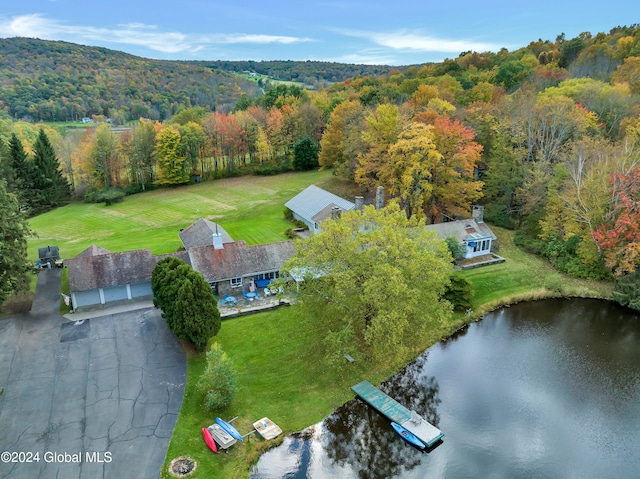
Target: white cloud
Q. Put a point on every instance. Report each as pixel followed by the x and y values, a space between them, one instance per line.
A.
pixel 417 42
pixel 150 36
pixel 260 39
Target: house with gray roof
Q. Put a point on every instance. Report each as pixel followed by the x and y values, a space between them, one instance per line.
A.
pixel 202 233
pixel 313 205
pixel 473 235
pixel 235 266
pixel 99 277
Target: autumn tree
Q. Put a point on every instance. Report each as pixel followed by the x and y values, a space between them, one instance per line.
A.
pixel 431 169
pixel 579 196
pixel 263 148
pixel 455 187
pixel 408 174
pixel 342 141
pixel 629 73
pixel 365 283
pixel 140 151
pixel 381 131
pixel 104 157
pixel 192 142
pixel 66 145
pixel 172 164
pixel 619 236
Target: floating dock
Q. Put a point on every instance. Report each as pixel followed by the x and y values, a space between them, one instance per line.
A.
pixel 396 412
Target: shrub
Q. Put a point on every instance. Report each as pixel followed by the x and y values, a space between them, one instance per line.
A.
pixel 554 283
pixel 108 197
pixel 218 383
pixel 459 293
pixel 455 248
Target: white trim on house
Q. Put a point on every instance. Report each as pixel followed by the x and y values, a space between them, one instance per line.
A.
pixel 313 205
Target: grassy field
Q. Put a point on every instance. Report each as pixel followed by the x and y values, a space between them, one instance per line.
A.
pixel 249 208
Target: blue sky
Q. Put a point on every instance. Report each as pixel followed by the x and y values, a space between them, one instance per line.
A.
pixel 352 31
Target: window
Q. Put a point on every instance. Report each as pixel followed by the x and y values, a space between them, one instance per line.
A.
pixel 236 282
pixel 271 275
pixel 484 245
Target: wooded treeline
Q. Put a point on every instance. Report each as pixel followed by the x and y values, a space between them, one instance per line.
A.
pixel 308 72
pixel 546 137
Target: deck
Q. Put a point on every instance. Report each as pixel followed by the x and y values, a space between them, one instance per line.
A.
pixel 396 412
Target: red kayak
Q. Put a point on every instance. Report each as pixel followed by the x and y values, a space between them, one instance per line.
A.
pixel 209 440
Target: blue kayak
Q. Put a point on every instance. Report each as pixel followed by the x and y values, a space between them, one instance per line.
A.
pixel 229 429
pixel 407 436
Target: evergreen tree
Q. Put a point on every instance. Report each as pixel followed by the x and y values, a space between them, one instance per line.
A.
pixel 6 168
pixel 50 188
pixel 305 153
pixel 197 311
pixel 626 290
pixel 186 301
pixel 13 245
pixel 18 171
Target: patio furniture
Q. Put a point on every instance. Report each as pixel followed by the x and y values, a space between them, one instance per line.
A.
pixel 246 296
pixel 230 299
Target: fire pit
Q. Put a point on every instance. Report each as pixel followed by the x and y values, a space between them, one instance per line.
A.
pixel 182 466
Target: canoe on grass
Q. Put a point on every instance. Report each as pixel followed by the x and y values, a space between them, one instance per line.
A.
pixel 206 434
pixel 407 436
pixel 229 429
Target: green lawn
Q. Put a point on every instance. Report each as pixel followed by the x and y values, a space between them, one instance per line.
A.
pixel 250 208
pixel 281 373
pixel 524 276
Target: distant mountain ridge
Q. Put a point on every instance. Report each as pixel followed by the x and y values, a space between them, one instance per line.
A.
pixel 43 80
pixel 46 81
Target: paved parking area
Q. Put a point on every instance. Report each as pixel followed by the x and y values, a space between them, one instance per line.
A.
pixel 93 399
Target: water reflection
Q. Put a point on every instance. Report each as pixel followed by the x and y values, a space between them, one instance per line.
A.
pixel 541 389
pixel 355 441
pixel 357 436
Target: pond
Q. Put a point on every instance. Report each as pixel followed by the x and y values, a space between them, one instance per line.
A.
pixel 541 389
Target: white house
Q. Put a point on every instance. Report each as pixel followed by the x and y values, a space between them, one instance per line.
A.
pixel 473 234
pixel 313 205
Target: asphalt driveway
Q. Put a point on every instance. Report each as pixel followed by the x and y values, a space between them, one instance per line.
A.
pixel 94 399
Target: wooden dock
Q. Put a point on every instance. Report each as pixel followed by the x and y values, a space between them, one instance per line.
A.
pixel 396 412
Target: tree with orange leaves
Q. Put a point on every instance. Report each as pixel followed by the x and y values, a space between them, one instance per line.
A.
pixel 619 237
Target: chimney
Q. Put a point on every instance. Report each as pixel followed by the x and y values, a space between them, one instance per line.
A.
pixel 477 213
pixel 335 212
pixel 359 203
pixel 379 197
pixel 217 239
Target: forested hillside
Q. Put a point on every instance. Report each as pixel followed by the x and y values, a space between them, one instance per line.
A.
pixel 59 81
pixel 313 73
pixel 546 137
